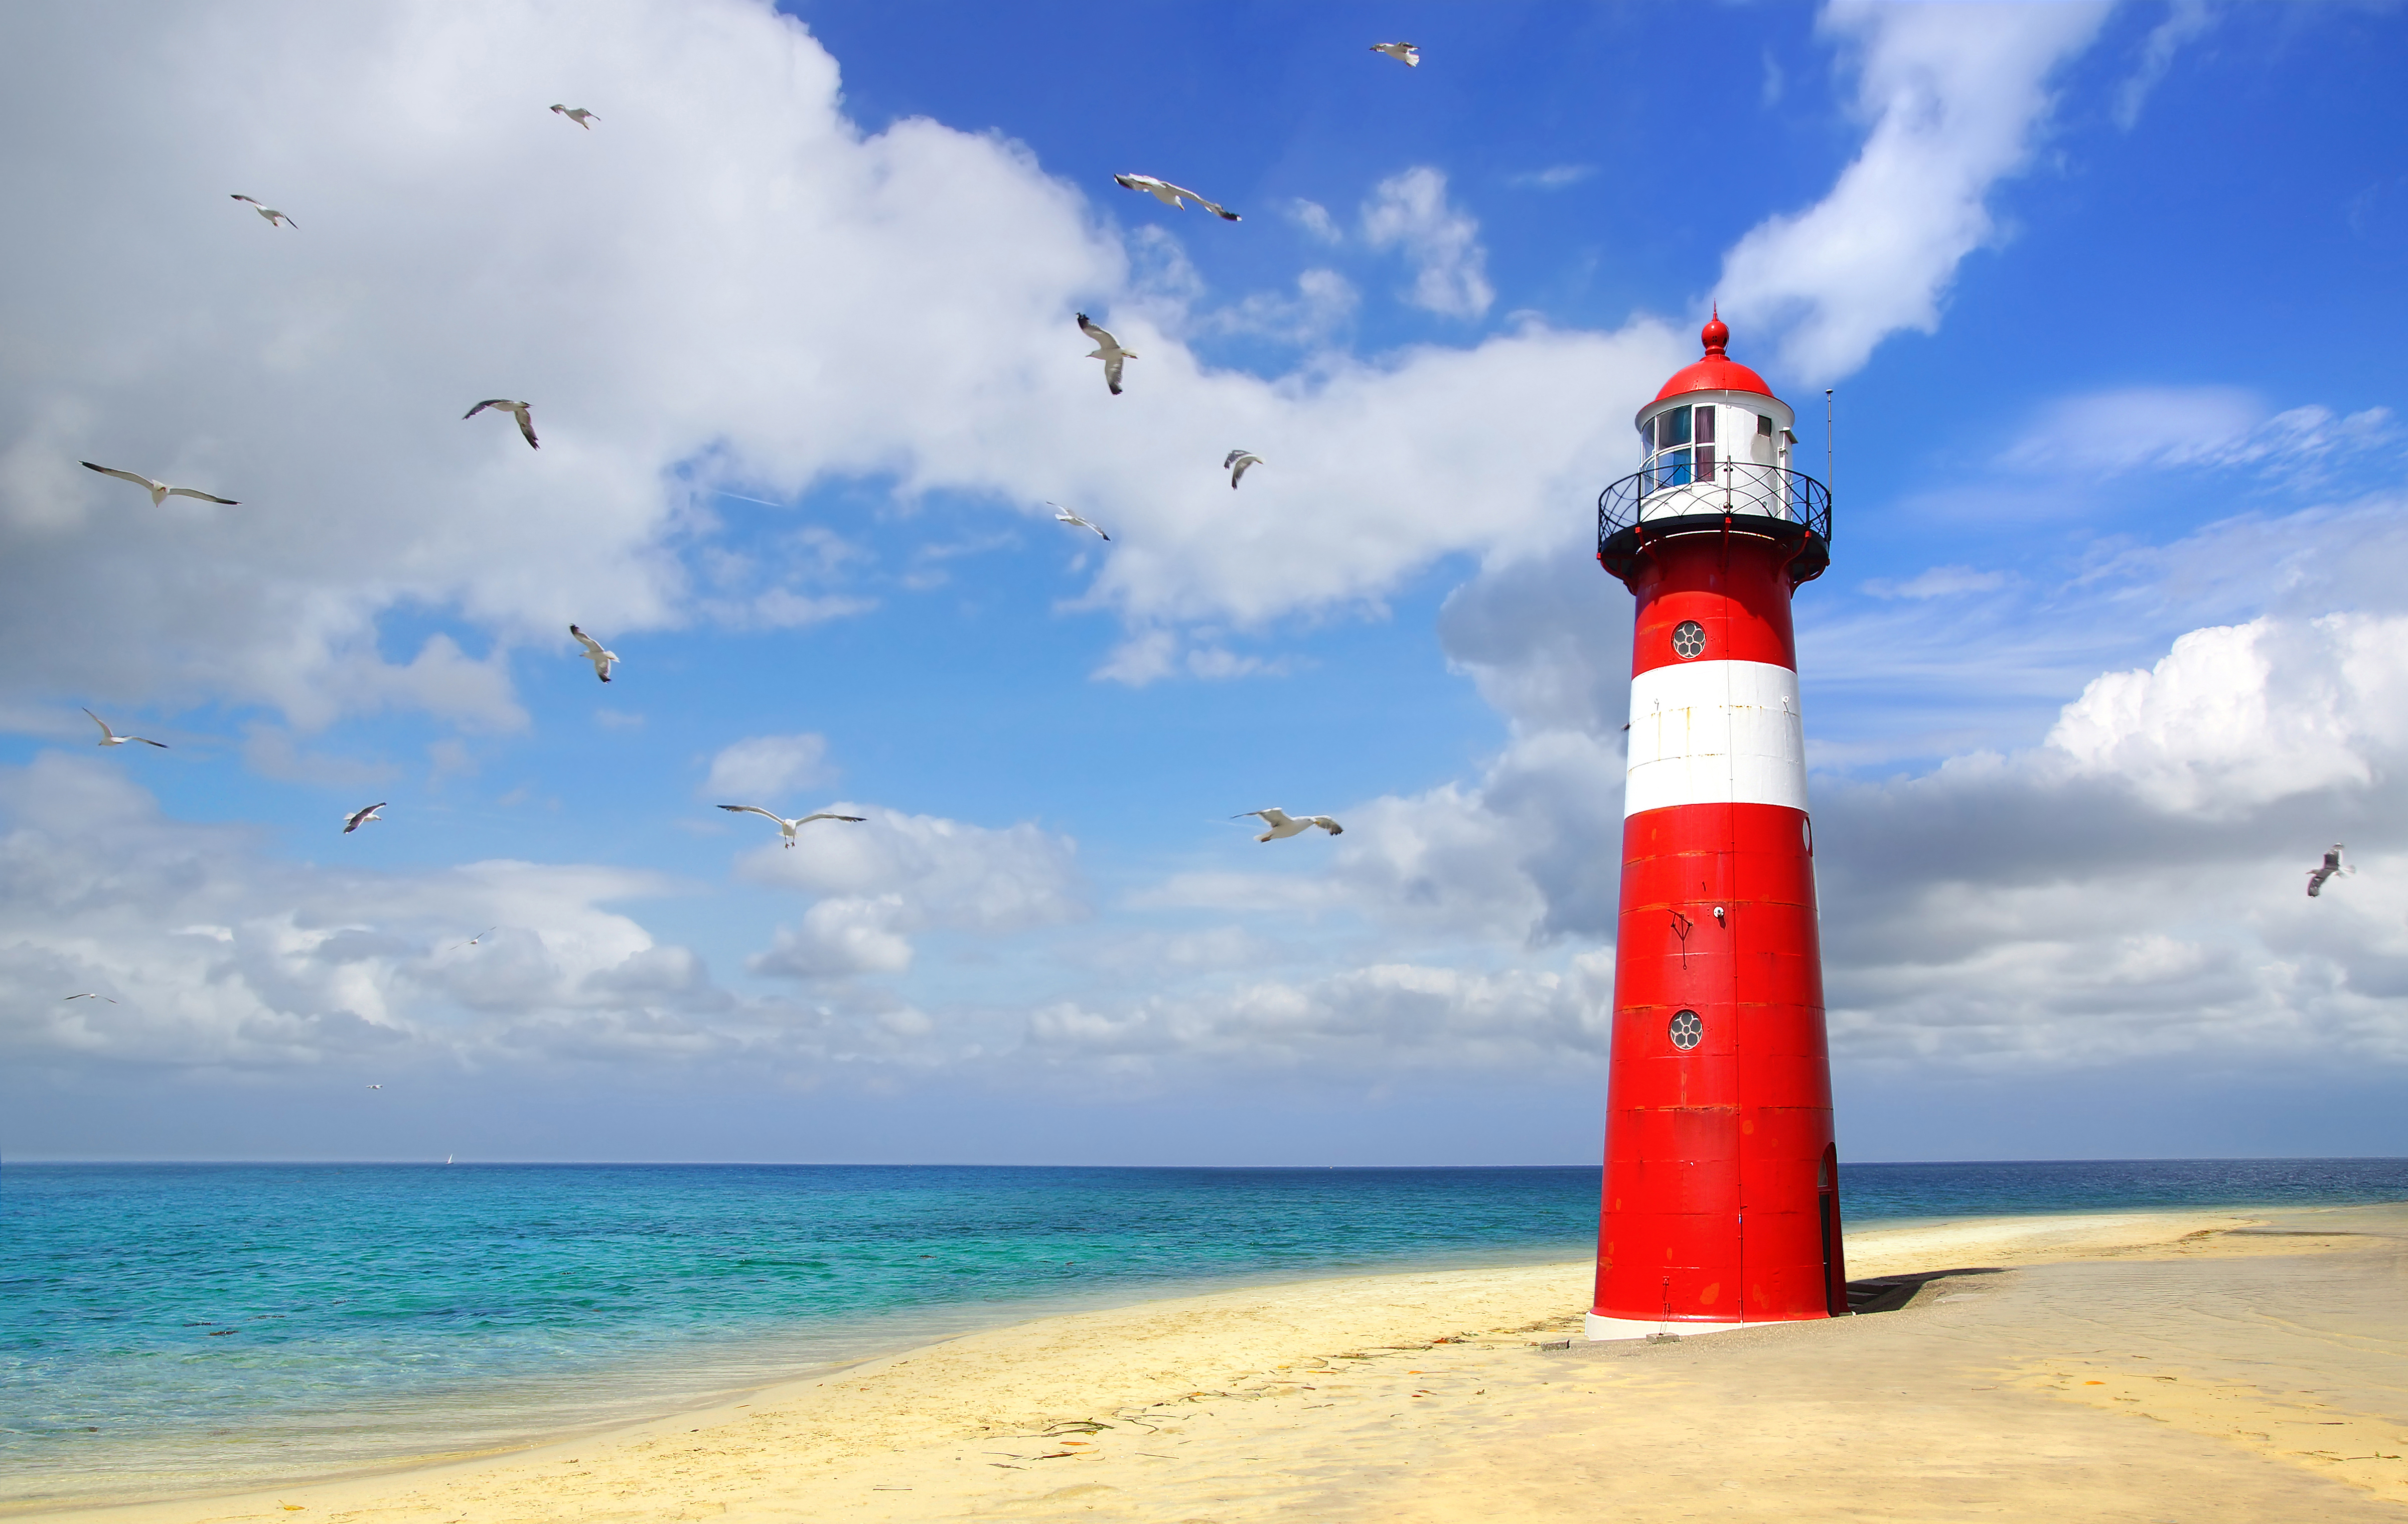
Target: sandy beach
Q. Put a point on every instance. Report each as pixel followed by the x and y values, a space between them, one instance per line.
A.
pixel 2191 1366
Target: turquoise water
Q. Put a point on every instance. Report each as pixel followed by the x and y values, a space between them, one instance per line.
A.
pixel 174 1326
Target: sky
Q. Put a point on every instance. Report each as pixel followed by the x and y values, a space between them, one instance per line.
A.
pixel 2114 643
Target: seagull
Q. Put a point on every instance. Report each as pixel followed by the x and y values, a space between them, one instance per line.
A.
pixel 1403 52
pixel 2316 876
pixel 358 818
pixel 375 1086
pixel 88 995
pixel 582 117
pixel 1108 349
pixel 594 653
pixel 1282 824
pixel 1236 461
pixel 272 215
pixel 1062 515
pixel 160 492
pixel 110 737
pixel 516 409
pixel 1169 194
pixel 478 938
pixel 788 827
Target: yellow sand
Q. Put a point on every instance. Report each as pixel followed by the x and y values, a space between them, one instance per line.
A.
pixel 2190 1365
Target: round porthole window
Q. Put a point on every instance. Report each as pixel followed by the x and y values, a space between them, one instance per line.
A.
pixel 1688 639
pixel 1688 1030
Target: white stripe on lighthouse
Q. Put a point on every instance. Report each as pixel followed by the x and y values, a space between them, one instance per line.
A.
pixel 1715 732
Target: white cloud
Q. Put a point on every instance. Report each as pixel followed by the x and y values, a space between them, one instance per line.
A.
pixel 1408 211
pixel 2185 19
pixel 762 769
pixel 2171 428
pixel 1956 95
pixel 1552 177
pixel 1315 220
pixel 856 934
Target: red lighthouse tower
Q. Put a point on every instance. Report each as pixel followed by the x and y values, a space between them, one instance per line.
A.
pixel 1721 1178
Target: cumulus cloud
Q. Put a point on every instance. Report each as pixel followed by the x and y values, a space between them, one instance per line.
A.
pixel 1954 95
pixel 1408 211
pixel 761 768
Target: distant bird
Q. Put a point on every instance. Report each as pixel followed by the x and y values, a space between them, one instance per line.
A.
pixel 1283 824
pixel 110 737
pixel 375 1086
pixel 788 827
pixel 1236 461
pixel 88 995
pixel 1403 52
pixel 358 818
pixel 478 938
pixel 594 653
pixel 1175 196
pixel 160 492
pixel 1108 349
pixel 272 215
pixel 1062 515
pixel 519 411
pixel 582 117
pixel 2316 876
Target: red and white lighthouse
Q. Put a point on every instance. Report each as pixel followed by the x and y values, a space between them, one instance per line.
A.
pixel 1720 1204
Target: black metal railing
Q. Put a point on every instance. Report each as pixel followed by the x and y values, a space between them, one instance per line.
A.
pixel 1663 500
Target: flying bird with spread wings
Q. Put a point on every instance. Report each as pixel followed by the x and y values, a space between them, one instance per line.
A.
pixel 1403 52
pixel 2316 876
pixel 1236 461
pixel 1174 195
pixel 160 492
pixel 1062 515
pixel 582 117
pixel 273 216
pixel 520 411
pixel 1108 349
pixel 110 737
pixel 788 827
pixel 88 995
pixel 594 653
pixel 358 818
pixel 1283 825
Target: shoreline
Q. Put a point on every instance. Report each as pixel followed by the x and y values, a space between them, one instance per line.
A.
pixel 1034 1373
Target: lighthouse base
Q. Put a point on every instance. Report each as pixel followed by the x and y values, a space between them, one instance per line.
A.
pixel 1600 1328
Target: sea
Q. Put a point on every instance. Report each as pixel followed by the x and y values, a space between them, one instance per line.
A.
pixel 168 1329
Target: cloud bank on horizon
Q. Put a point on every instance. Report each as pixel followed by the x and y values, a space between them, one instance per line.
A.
pixel 766 338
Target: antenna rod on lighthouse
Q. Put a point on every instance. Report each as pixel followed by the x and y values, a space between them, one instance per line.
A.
pixel 1827 439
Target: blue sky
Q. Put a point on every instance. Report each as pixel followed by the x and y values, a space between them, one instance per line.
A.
pixel 2108 299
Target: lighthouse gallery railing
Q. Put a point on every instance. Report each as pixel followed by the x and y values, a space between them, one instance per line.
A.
pixel 1744 497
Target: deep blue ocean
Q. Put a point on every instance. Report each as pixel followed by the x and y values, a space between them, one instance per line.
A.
pixel 174 1326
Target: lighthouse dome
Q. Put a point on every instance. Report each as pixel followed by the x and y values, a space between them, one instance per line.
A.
pixel 1715 372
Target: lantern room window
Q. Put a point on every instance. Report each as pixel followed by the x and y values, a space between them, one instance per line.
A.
pixel 1679 443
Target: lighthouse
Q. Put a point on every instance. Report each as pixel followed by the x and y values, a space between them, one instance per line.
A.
pixel 1721 1202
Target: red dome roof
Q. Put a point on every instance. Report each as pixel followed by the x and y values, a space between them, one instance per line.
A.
pixel 1717 371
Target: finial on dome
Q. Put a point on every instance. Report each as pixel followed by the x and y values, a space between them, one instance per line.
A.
pixel 1716 334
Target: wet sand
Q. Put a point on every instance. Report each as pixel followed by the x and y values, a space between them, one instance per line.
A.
pixel 2164 1366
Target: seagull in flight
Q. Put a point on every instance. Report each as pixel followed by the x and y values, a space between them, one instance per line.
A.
pixel 1403 52
pixel 1062 515
pixel 1108 349
pixel 2316 876
pixel 110 737
pixel 272 215
pixel 788 827
pixel 1174 195
pixel 594 653
pixel 519 411
pixel 582 117
pixel 160 492
pixel 358 818
pixel 88 995
pixel 1236 461
pixel 478 938
pixel 1282 824
pixel 375 1086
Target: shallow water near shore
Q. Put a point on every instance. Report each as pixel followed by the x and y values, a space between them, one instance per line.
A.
pixel 177 1327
